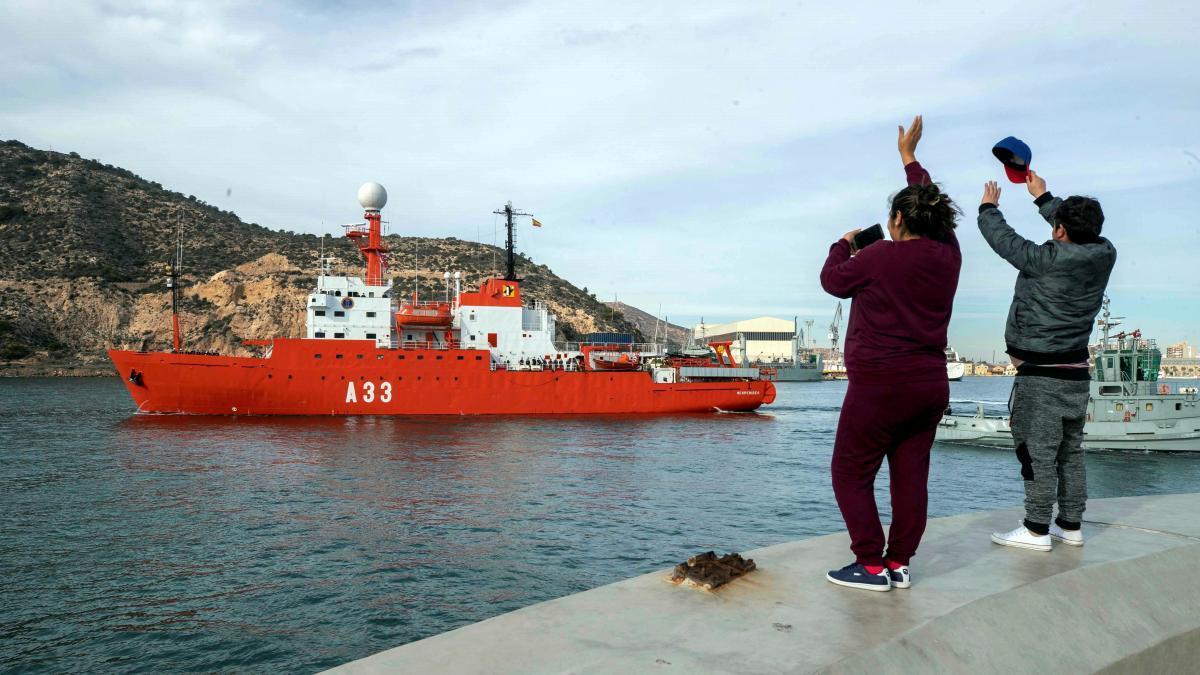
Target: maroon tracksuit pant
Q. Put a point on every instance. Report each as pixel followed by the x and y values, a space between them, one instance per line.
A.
pixel 896 421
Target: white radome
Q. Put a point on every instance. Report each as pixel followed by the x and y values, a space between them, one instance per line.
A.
pixel 372 196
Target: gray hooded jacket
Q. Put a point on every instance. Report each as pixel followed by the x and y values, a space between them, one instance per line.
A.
pixel 1058 292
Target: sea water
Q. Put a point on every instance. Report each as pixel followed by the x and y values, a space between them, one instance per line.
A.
pixel 148 543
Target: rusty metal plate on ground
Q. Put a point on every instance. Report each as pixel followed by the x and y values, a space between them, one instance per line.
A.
pixel 708 571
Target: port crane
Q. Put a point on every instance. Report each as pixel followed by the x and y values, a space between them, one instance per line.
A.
pixel 835 329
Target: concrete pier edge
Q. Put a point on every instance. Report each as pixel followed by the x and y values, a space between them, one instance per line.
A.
pixel 1124 602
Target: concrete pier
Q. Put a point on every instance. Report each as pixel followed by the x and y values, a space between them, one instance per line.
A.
pixel 1127 601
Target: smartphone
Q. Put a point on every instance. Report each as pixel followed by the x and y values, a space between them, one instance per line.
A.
pixel 867 237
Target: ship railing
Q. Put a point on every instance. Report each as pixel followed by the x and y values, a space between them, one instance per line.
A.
pixel 569 365
pixel 426 344
pixel 640 347
pixel 420 304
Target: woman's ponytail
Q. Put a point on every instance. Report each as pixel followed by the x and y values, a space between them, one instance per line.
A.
pixel 927 211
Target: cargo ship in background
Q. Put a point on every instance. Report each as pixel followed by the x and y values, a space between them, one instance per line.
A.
pixel 369 351
pixel 805 365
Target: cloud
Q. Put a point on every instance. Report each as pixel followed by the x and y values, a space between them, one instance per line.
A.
pixel 719 147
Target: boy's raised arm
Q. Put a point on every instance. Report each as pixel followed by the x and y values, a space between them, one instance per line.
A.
pixel 1021 253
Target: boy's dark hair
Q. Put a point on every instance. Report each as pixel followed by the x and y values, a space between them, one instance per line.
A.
pixel 927 211
pixel 1082 218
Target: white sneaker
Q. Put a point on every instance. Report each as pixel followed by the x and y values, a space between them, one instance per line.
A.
pixel 1068 537
pixel 1022 538
pixel 901 577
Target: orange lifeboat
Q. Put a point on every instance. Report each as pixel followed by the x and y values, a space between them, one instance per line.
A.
pixel 417 313
pixel 604 359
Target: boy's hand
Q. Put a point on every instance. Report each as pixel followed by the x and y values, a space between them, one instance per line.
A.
pixel 849 236
pixel 907 141
pixel 1036 184
pixel 991 193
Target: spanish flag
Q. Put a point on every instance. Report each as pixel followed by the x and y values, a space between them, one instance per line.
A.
pixel 537 223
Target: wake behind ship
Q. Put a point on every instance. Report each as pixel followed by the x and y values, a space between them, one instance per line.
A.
pixel 482 352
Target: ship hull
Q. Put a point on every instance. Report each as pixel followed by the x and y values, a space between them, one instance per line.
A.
pixel 317 377
pixel 1183 436
pixel 792 374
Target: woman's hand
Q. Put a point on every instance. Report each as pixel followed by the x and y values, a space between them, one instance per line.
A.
pixel 849 237
pixel 907 141
pixel 1036 184
pixel 991 193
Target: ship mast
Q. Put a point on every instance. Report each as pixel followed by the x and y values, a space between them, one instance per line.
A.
pixel 173 270
pixel 511 263
pixel 369 237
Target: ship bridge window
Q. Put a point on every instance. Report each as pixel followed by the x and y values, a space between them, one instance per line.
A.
pixel 338 293
pixel 370 336
pixel 320 335
pixel 1179 406
pixel 339 312
pixel 339 336
pixel 1110 390
pixel 370 314
pixel 319 312
pixel 371 294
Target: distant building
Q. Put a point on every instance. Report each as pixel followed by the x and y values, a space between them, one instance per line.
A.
pixel 1010 370
pixel 982 369
pixel 767 338
pixel 1180 350
pixel 997 370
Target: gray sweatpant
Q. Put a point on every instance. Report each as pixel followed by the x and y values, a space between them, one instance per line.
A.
pixel 1047 417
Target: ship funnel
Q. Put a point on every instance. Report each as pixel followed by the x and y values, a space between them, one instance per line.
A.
pixel 372 196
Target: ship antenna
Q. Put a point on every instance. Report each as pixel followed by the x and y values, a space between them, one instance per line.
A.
pixel 510 245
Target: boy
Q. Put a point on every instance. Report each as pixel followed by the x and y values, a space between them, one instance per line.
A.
pixel 1058 293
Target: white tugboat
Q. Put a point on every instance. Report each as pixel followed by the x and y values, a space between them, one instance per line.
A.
pixel 1129 408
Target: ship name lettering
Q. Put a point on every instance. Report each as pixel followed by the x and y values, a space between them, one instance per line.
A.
pixel 368 392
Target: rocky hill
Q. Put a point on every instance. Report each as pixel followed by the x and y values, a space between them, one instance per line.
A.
pixel 651 325
pixel 82 249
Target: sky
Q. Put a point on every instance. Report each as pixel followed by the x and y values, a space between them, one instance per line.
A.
pixel 693 159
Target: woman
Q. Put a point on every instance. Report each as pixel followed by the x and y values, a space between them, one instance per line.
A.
pixel 903 293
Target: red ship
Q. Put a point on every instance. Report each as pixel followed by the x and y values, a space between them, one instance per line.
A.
pixel 482 353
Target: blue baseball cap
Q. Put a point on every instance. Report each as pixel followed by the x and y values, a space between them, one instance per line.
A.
pixel 1015 156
